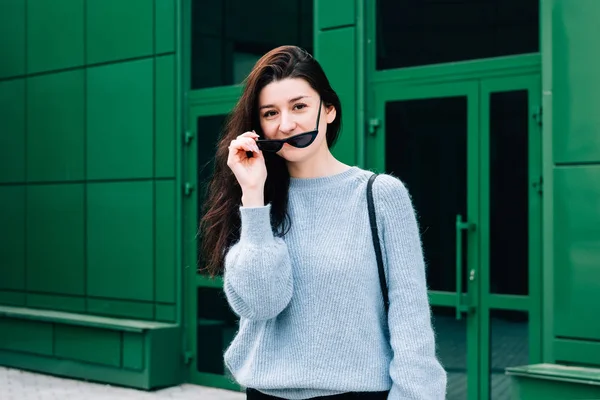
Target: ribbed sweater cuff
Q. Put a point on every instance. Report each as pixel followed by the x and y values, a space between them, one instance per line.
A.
pixel 256 224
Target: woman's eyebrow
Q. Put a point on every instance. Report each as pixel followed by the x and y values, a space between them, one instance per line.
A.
pixel 290 101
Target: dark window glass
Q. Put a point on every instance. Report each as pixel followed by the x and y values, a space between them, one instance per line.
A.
pixel 217 326
pixel 424 32
pixel 208 133
pixel 229 36
pixel 429 154
pixel 509 225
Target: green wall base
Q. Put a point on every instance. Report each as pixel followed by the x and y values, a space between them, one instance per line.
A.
pixel 554 382
pixel 133 353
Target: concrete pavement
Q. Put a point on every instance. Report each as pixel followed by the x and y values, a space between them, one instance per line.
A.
pixel 23 385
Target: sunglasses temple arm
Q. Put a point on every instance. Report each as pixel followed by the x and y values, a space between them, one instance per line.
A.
pixel 319 115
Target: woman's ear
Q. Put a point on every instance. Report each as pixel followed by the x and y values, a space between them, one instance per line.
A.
pixel 331 114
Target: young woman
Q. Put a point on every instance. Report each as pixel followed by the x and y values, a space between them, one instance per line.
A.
pixel 288 226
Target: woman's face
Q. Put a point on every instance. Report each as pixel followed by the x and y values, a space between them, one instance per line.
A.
pixel 289 107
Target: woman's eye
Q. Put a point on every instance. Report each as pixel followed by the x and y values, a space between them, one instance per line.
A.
pixel 299 106
pixel 269 114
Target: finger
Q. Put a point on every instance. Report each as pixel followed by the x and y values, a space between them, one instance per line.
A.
pixel 243 144
pixel 249 134
pixel 251 143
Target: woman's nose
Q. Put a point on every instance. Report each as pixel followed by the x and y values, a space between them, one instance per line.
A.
pixel 287 123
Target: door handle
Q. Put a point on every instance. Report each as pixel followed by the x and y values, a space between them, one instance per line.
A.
pixel 460 227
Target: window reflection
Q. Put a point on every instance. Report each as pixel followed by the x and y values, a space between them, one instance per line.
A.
pixel 229 36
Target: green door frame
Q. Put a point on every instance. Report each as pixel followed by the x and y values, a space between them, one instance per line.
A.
pixel 478 81
pixel 532 303
pixel 202 103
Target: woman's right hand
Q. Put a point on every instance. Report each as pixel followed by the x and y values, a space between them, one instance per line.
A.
pixel 251 173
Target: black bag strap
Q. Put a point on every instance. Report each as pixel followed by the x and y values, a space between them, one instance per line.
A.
pixel 376 243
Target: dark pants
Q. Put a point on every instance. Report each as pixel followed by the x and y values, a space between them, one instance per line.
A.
pixel 252 394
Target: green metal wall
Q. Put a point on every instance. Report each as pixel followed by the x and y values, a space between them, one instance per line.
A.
pixel 88 190
pixel 571 63
pixel 87 173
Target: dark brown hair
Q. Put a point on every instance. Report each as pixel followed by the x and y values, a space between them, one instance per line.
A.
pixel 220 225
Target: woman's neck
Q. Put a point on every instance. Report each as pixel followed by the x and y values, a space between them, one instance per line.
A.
pixel 324 165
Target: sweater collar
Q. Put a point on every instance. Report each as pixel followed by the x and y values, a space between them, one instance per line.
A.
pixel 324 181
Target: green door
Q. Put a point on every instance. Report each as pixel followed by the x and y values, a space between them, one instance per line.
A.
pixel 444 141
pixel 210 324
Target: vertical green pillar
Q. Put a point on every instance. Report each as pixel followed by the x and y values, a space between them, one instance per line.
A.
pixel 573 172
pixel 338 47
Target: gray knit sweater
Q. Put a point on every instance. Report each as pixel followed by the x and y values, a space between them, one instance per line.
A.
pixel 311 312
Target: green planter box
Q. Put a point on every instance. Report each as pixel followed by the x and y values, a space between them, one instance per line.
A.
pixel 554 382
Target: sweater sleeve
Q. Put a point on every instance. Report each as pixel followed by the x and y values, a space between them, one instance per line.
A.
pixel 415 370
pixel 258 280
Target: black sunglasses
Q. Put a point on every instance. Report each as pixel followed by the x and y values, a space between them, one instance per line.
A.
pixel 300 141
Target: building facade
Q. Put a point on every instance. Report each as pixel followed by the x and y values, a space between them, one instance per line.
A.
pixel 109 115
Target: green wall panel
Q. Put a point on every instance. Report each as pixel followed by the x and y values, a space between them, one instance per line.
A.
pixel 575 66
pixel 165 26
pixel 333 13
pixel 12 38
pixel 26 336
pixel 12 237
pixel 55 127
pixel 583 352
pixel 120 308
pixel 165 218
pixel 12 123
pixel 577 252
pixel 120 240
pixel 90 345
pixel 8 297
pixel 166 312
pixel 54 34
pixel 55 239
pixel 56 302
pixel 340 67
pixel 120 121
pixel 133 351
pixel 164 116
pixel 118 30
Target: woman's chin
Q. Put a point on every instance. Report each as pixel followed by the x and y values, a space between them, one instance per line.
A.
pixel 293 154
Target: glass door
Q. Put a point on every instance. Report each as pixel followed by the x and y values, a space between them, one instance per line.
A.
pixel 428 137
pixel 469 152
pixel 510 227
pixel 210 323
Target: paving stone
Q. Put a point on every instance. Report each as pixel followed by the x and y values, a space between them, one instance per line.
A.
pixel 24 385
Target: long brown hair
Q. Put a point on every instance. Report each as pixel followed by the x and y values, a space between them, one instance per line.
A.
pixel 220 226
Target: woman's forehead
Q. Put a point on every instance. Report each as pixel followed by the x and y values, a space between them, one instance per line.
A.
pixel 285 91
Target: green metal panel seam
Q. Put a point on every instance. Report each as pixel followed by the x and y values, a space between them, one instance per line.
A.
pixel 25 155
pixel 359 58
pixel 154 150
pixel 547 170
pixel 182 71
pixel 85 168
pixel 184 275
